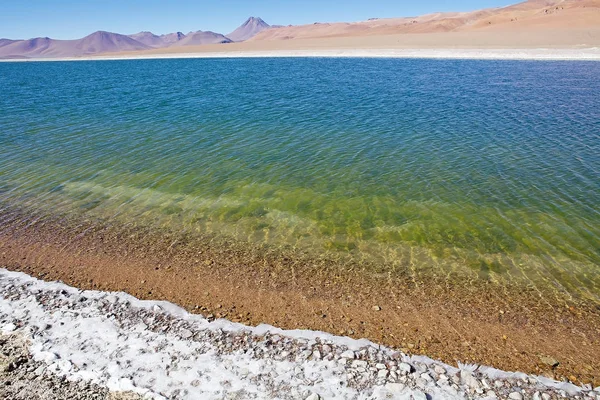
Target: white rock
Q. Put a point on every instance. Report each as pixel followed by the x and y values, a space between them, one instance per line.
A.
pixel 515 396
pixel 359 364
pixel 382 374
pixel 40 370
pixel 348 354
pixel 439 369
pixel 380 366
pixel 499 384
pixel 469 380
pixel 111 298
pixel 316 355
pixel 418 395
pixel 491 393
pixel 395 387
pixel 405 368
pixel 426 376
pixel 186 333
pixel 64 365
pixel 313 396
pixel 8 328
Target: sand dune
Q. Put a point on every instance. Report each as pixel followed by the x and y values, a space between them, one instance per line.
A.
pixel 248 29
pixel 539 15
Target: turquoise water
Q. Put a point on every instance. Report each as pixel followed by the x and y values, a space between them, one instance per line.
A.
pixel 487 167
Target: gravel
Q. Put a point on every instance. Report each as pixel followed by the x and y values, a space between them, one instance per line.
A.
pixel 59 342
pixel 22 378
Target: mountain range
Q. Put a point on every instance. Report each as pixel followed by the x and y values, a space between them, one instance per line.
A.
pixel 539 24
pixel 108 42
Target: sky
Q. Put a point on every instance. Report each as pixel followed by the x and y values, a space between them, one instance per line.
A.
pixel 72 19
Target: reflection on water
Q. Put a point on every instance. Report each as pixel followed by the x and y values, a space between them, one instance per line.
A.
pixel 487 167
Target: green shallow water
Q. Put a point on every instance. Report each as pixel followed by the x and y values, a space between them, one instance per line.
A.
pixel 483 167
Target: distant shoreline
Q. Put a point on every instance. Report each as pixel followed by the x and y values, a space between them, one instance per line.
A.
pixel 541 54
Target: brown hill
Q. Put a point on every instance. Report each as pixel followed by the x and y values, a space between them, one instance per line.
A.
pixel 532 14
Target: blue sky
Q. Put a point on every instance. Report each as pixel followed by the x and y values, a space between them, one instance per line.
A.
pixel 70 19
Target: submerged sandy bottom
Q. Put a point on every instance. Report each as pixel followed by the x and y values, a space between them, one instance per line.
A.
pixel 158 350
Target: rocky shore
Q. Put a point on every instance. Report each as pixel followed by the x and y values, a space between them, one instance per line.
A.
pixel 60 342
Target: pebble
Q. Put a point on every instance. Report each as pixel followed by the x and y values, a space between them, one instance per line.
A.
pixel 395 387
pixel 348 354
pixel 439 369
pixel 426 376
pixel 469 380
pixel 364 369
pixel 405 367
pixel 418 395
pixel 359 364
pixel 186 333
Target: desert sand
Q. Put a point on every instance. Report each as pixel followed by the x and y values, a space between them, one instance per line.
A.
pixel 535 29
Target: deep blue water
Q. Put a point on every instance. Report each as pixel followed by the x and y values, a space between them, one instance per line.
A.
pixel 491 167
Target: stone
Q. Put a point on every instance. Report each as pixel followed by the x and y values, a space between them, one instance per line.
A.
pixel 359 364
pixel 418 395
pixel 382 373
pixel 376 308
pixel 421 383
pixel 426 376
pixel 515 396
pixel 313 396
pixel 9 328
pixel 186 333
pixel 380 366
pixel 405 368
pixel 348 354
pixel 395 387
pixel 498 384
pixel 549 361
pixel 469 380
pixel 439 369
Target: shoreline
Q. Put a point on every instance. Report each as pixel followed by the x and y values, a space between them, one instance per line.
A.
pixel 468 320
pixel 524 54
pixel 61 325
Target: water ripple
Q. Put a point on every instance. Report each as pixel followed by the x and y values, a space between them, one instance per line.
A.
pixel 486 166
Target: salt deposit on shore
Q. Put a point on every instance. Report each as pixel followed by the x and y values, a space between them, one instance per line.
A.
pixel 115 342
pixel 550 54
